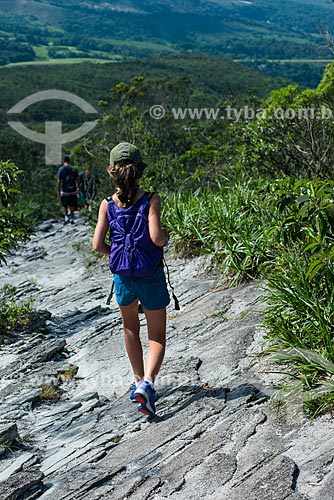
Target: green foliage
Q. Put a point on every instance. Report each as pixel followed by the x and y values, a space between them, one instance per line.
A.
pixel 282 231
pixel 166 144
pixel 13 228
pixel 307 73
pixel 220 198
pixel 13 51
pixel 8 178
pixel 300 315
pixel 68 374
pixel 306 210
pixel 49 392
pixel 309 385
pixel 14 317
pixel 228 224
pixel 293 134
pixel 116 439
pixel 180 153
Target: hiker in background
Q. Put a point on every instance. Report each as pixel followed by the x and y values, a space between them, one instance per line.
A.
pixel 67 188
pixel 88 188
pixel 136 253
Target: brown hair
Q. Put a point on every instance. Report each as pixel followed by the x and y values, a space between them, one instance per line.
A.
pixel 125 175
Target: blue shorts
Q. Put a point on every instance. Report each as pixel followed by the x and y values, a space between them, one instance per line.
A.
pixel 150 291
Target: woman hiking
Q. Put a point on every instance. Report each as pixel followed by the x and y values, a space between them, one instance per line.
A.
pixel 136 253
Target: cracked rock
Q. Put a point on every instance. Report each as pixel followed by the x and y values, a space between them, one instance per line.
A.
pixel 22 485
pixel 8 433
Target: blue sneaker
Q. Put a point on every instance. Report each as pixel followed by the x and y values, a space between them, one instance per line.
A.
pixel 145 396
pixel 133 390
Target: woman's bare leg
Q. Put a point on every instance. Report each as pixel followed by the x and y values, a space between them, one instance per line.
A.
pixel 156 325
pixel 133 345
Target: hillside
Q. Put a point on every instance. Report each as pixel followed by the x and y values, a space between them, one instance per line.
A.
pixel 211 80
pixel 211 77
pixel 59 29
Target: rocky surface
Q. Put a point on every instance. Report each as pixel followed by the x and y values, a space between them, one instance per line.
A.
pixel 216 436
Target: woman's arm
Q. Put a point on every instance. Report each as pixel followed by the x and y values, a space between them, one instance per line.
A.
pixel 101 230
pixel 158 235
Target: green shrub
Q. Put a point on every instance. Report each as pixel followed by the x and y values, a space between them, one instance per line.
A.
pixel 49 392
pixel 300 315
pixel 292 135
pixel 230 225
pixel 13 228
pixel 282 231
pixel 14 317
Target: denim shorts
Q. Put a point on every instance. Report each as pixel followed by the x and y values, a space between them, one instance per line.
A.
pixel 151 291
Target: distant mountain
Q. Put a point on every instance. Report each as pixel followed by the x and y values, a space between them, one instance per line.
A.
pixel 110 29
pixel 247 30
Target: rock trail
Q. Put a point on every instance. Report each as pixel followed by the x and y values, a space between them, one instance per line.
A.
pixel 216 436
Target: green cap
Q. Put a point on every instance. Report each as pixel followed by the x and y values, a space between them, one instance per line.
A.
pixel 125 151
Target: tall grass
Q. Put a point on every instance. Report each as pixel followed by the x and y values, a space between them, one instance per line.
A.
pixel 230 225
pixel 284 232
pixel 300 313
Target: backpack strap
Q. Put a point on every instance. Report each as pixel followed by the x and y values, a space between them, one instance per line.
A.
pixel 110 294
pixel 142 205
pixel 149 195
pixel 176 300
pixel 109 199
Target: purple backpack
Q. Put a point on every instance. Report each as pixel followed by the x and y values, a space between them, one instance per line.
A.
pixel 132 251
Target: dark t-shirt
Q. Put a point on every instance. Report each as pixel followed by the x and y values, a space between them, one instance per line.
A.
pixel 67 175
